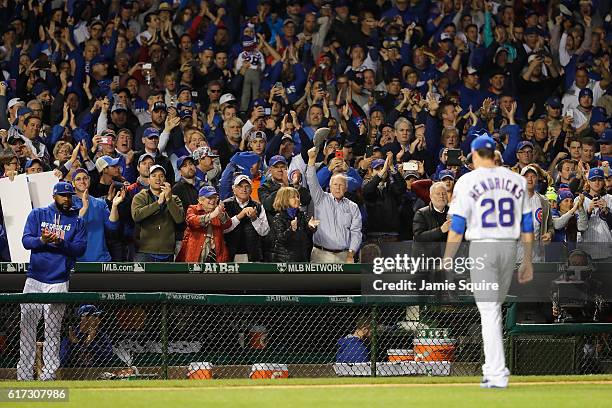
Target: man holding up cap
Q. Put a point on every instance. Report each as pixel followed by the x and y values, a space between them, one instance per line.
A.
pixel 56 236
pixel 597 239
pixel 339 234
pixel 157 213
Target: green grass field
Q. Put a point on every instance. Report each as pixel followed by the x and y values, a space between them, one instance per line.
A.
pixel 524 392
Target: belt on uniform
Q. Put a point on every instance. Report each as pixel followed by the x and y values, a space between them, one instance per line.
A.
pixel 335 251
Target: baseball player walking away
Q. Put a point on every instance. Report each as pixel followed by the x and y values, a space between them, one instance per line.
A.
pixel 56 236
pixel 491 207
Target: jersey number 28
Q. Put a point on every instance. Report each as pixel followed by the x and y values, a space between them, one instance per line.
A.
pixel 505 208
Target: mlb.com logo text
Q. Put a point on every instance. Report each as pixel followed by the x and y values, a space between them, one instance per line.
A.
pixel 122 267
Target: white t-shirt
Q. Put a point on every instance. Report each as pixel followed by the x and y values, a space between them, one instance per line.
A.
pixel 492 201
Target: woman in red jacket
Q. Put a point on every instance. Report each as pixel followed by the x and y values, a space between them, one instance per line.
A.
pixel 203 240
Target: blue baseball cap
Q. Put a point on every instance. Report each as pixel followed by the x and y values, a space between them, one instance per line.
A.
pixel 596 173
pixel 201 46
pixel 445 174
pixel 39 88
pixel 554 102
pixel 483 142
pixel 274 160
pixel 260 102
pixel 585 92
pixel 150 132
pixel 185 112
pixel 598 115
pixel 207 191
pixel 30 162
pixel 23 111
pixel 181 160
pixel 98 60
pixel 63 188
pixel 606 137
pixel 564 194
pixel 377 163
pixel 88 310
pixel 523 144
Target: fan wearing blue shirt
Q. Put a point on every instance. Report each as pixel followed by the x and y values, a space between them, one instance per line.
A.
pixel 97 217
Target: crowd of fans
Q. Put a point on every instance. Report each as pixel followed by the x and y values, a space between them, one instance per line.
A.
pixel 273 130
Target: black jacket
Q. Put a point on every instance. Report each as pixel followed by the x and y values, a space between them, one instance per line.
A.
pixel 427 232
pixel 288 245
pixel 244 236
pixel 406 215
pixel 188 193
pixel 382 205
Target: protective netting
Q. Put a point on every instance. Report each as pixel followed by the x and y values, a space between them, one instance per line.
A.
pixel 108 336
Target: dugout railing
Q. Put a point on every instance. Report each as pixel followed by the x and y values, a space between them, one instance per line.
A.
pixel 186 335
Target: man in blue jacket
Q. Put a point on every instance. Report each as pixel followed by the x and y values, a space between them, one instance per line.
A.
pixel 354 347
pixel 56 236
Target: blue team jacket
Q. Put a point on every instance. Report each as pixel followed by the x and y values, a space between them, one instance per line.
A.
pixel 51 263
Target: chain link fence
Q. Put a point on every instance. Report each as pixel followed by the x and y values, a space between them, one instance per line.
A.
pixel 167 335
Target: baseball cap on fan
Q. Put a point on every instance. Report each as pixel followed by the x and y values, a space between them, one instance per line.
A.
pixel 529 168
pixel 596 173
pixel 226 98
pixel 146 156
pixel 181 160
pixel 106 161
pixel 13 102
pixel 207 191
pixel 88 310
pixel 444 174
pixel 156 167
pixel 63 188
pixel 240 179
